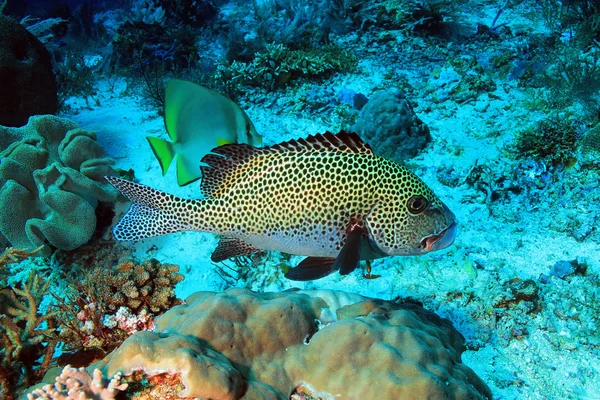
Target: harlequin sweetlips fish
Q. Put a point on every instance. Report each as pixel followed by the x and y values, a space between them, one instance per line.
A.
pixel 327 197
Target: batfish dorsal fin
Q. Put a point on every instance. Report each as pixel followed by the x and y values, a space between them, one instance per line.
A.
pixel 223 160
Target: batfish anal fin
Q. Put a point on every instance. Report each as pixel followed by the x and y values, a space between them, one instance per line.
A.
pixel 187 172
pixel 311 268
pixel 229 247
pixel 223 141
pixel 349 257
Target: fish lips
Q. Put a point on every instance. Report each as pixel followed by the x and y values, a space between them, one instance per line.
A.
pixel 440 241
pixel 444 238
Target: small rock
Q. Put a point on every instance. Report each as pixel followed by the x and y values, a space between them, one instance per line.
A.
pixel 562 269
pixel 526 290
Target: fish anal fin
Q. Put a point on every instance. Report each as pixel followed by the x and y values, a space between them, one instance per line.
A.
pixel 186 173
pixel 222 141
pixel 349 257
pixel 229 247
pixel 311 268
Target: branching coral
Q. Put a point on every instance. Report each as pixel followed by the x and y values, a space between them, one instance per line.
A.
pixel 78 384
pixel 13 256
pixel 108 305
pixel 28 335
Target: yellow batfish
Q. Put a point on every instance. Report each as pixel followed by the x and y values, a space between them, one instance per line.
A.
pixel 198 119
pixel 327 197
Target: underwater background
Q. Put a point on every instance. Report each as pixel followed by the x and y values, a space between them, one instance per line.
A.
pixel 495 105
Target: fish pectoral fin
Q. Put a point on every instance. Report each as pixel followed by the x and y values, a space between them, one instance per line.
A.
pixel 349 257
pixel 311 268
pixel 229 247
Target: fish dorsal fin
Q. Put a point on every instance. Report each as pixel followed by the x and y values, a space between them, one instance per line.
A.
pixel 343 141
pixel 224 160
pixel 221 164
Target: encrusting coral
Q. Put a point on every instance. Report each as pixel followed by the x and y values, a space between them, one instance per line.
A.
pixel 265 345
pixel 51 180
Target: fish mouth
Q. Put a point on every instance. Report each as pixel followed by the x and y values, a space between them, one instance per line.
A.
pixel 442 240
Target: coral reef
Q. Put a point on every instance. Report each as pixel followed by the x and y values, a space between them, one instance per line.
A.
pixel 590 143
pixel 262 346
pixel 51 180
pixel 75 383
pixel 137 45
pixel 389 124
pixel 195 13
pixel 13 256
pixel 110 304
pixel 28 335
pixel 28 85
pixel 551 141
pixel 277 65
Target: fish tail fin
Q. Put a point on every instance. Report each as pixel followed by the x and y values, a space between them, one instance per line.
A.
pixel 163 151
pixel 152 212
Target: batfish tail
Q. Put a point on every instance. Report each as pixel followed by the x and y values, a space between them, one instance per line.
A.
pixel 154 213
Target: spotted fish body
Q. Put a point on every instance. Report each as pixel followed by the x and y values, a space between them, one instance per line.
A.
pixel 314 197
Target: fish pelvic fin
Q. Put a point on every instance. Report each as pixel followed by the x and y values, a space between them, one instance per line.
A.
pixel 311 268
pixel 163 151
pixel 347 260
pixel 152 212
pixel 349 257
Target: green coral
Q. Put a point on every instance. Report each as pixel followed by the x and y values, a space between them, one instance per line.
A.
pixel 277 66
pixel 551 141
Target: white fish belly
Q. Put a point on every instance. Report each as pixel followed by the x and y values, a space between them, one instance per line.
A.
pixel 315 245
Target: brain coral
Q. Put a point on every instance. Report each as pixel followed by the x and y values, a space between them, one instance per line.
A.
pixel 389 124
pixel 264 345
pixel 51 180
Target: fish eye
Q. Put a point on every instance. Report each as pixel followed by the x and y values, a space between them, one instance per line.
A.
pixel 417 204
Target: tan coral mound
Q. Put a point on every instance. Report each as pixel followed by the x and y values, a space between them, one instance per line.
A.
pixel 264 345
